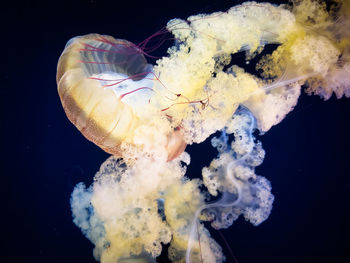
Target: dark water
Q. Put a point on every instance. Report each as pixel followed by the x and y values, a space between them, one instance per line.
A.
pixel 44 156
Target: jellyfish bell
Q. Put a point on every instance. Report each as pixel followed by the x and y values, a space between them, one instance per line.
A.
pixel 105 86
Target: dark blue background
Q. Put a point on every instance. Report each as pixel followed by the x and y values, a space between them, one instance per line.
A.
pixel 44 156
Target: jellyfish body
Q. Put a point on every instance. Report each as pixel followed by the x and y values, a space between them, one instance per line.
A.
pixel 120 102
pixel 105 86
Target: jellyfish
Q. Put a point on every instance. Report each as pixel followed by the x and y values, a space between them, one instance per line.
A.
pixel 145 115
